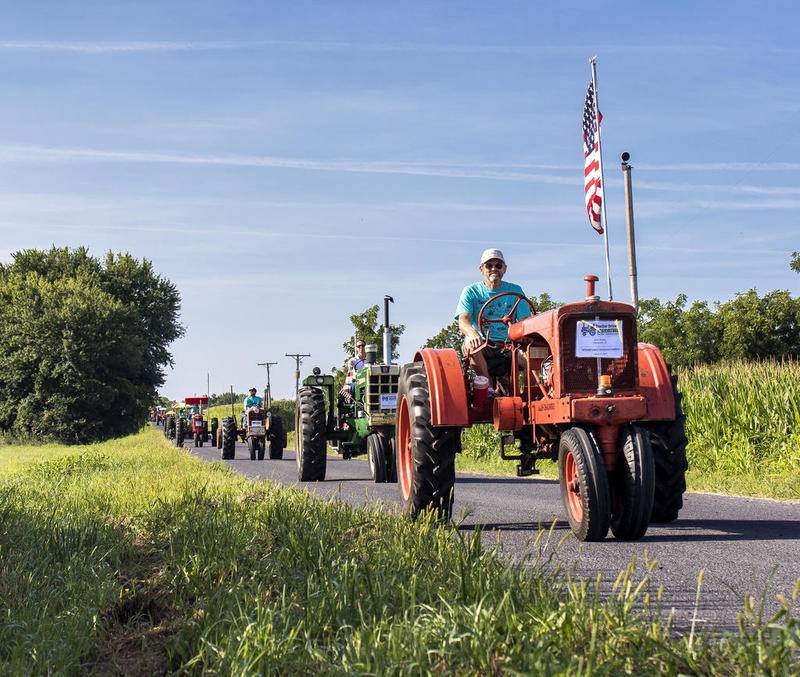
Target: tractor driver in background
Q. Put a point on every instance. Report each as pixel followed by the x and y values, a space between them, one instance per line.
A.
pixel 495 359
pixel 252 400
pixel 353 365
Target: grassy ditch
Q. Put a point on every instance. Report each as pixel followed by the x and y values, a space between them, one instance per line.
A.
pixel 132 556
pixel 743 425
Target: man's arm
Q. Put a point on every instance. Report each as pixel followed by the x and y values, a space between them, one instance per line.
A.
pixel 473 336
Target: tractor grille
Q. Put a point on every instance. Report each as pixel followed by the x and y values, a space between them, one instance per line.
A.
pixel 579 374
pixel 382 389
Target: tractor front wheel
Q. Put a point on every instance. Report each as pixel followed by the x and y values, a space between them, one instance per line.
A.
pixel 261 447
pixel 426 456
pixel 277 441
pixel 633 485
pixel 228 438
pixel 584 485
pixel 378 453
pixel 252 447
pixel 310 438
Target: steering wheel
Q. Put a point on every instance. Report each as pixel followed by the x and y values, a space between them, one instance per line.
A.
pixel 507 320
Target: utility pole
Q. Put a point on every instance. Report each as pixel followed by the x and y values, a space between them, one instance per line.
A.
pixel 269 388
pixel 298 359
pixel 626 173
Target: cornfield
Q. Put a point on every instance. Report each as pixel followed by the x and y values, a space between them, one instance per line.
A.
pixel 742 418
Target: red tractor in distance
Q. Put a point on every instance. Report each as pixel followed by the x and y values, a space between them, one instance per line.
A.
pixel 580 390
pixel 198 426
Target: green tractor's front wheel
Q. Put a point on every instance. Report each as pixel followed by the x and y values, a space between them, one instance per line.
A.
pixel 310 438
pixel 380 452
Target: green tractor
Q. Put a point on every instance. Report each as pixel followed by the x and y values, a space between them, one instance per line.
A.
pixel 357 420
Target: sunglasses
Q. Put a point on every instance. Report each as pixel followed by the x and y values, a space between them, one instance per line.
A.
pixel 496 266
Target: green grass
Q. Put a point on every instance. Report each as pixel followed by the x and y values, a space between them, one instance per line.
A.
pixel 743 425
pixel 132 556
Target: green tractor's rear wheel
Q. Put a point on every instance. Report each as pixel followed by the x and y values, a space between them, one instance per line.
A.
pixel 180 431
pixel 584 485
pixel 379 449
pixel 310 437
pixel 426 456
pixel 277 439
pixel 668 440
pixel 228 438
pixel 632 484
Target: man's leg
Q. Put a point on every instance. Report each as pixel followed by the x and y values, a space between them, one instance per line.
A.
pixel 477 361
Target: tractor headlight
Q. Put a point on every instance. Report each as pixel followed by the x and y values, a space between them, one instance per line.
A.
pixel 320 380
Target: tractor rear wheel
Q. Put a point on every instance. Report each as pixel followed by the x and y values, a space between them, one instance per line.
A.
pixel 584 485
pixel 180 432
pixel 378 454
pixel 633 485
pixel 668 440
pixel 228 438
pixel 277 441
pixel 214 428
pixel 426 456
pixel 310 438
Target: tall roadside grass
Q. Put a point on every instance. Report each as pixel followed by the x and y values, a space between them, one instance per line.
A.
pixel 131 556
pixel 742 422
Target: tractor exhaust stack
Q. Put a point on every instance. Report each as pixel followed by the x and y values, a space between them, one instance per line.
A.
pixel 387 336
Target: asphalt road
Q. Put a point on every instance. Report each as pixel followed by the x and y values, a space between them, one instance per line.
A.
pixel 744 545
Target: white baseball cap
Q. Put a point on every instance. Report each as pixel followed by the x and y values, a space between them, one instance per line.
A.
pixel 489 254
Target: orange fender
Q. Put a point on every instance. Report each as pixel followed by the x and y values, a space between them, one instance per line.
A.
pixel 655 384
pixel 449 404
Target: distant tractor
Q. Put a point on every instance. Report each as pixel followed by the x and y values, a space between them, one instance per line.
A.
pixel 354 423
pixel 187 420
pixel 580 390
pixel 259 427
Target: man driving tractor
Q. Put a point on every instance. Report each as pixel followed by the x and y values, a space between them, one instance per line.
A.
pixel 252 400
pixel 353 365
pixel 495 358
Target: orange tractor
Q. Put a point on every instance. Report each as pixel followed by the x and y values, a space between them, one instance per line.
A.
pixel 581 390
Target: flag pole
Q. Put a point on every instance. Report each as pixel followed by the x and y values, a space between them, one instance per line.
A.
pixel 593 62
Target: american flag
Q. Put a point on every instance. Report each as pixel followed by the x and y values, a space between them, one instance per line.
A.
pixel 593 188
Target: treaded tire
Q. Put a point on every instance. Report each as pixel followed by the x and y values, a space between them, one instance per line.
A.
pixel 261 446
pixel 587 504
pixel 180 432
pixel 392 459
pixel 311 443
pixel 378 455
pixel 277 442
pixel 228 438
pixel 427 464
pixel 633 484
pixel 668 441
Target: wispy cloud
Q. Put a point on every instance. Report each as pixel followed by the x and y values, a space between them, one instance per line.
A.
pixel 131 46
pixel 459 170
pixel 28 154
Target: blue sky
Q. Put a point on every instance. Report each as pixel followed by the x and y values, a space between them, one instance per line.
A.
pixel 286 164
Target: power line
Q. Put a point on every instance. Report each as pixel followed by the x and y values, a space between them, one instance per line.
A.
pixel 298 358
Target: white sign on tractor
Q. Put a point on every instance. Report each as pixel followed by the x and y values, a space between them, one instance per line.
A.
pixel 598 338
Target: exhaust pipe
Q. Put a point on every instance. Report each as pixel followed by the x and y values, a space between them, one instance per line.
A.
pixel 387 336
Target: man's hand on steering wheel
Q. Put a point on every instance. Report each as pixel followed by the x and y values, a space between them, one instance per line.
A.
pixel 474 342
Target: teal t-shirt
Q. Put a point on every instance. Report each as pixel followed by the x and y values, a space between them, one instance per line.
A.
pixel 252 401
pixel 475 295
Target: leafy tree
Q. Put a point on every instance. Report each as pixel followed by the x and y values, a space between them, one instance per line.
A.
pixel 794 264
pixel 83 343
pixel 367 326
pixel 684 336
